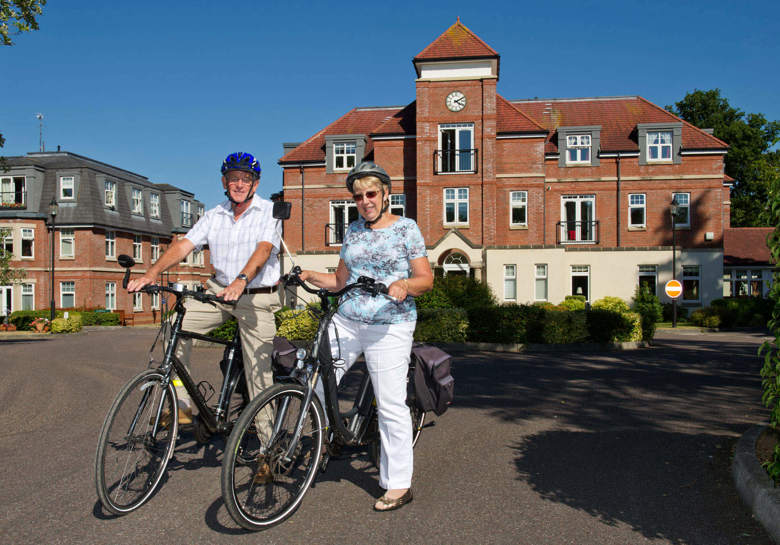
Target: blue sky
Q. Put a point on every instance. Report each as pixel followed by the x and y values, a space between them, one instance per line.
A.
pixel 167 89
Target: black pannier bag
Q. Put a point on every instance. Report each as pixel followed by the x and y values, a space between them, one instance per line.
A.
pixel 283 357
pixel 434 387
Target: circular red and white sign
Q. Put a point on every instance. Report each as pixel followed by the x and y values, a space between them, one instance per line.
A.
pixel 673 289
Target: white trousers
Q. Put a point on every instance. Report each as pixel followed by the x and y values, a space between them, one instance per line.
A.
pixel 386 348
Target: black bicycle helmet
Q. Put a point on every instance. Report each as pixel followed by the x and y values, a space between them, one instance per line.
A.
pixel 367 168
pixel 241 161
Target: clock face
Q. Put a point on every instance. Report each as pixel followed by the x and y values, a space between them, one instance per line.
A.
pixel 456 101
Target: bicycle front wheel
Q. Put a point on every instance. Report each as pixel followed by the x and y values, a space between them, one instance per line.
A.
pixel 266 471
pixel 136 443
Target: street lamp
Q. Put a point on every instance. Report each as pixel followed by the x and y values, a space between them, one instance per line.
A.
pixel 53 208
pixel 674 210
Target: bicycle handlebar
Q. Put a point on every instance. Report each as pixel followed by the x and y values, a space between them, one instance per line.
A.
pixel 363 282
pixel 201 296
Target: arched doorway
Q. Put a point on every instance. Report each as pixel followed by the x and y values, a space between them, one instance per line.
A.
pixel 456 264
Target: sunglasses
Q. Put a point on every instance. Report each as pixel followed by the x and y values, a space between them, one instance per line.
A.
pixel 358 197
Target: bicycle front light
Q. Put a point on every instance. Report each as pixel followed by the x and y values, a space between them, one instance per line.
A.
pixel 301 354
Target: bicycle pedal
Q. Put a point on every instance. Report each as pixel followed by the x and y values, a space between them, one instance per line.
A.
pixel 324 462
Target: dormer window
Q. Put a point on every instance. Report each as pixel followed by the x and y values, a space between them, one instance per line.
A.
pixel 579 146
pixel 659 142
pixel 110 193
pixel 659 145
pixel 343 151
pixel 344 155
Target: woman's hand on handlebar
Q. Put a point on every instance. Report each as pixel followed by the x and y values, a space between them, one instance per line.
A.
pixel 138 283
pixel 398 290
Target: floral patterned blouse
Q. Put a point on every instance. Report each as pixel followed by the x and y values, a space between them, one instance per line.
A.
pixel 384 255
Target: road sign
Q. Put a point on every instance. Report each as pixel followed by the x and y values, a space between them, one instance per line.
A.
pixel 673 289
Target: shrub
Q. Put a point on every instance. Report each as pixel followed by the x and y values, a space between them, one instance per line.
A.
pixel 441 325
pixel 606 325
pixel 296 324
pixel 462 292
pixel 649 308
pixel 615 304
pixel 713 322
pixel 743 311
pixel 69 325
pixel 561 326
pixel 682 312
pixel 107 318
pixel 23 318
pixel 436 298
pixel 574 302
pixel 225 331
pixel 510 323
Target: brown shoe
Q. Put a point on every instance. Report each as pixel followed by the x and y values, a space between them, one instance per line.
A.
pixel 263 475
pixel 386 504
pixel 185 416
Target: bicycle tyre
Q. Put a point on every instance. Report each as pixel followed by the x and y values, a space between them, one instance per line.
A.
pixel 131 456
pixel 251 502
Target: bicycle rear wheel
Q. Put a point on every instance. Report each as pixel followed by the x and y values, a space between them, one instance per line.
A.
pixel 264 478
pixel 136 442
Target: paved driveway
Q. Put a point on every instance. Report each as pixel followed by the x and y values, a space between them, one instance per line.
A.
pixel 613 448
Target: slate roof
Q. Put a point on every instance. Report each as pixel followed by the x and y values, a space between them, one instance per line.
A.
pixel 744 246
pixel 618 117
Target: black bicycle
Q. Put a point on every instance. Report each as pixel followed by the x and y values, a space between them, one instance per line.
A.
pixel 275 448
pixel 139 433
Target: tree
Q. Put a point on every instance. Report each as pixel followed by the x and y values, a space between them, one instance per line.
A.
pixel 21 16
pixel 751 161
pixel 7 274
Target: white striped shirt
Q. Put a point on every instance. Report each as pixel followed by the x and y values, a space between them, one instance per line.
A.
pixel 232 242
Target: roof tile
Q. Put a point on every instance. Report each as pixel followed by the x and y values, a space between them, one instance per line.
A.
pixel 456 42
pixel 746 246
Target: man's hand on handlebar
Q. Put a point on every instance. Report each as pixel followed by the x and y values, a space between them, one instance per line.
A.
pixel 234 291
pixel 138 283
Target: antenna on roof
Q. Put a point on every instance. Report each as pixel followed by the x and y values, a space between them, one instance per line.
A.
pixel 39 117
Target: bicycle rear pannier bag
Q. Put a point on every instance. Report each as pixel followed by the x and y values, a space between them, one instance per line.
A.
pixel 283 357
pixel 434 387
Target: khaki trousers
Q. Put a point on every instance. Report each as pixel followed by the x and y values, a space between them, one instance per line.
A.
pixel 255 316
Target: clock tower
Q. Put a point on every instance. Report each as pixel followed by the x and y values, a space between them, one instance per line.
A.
pixel 456 136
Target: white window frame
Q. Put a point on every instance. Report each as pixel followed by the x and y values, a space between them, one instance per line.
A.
pixel 154 205
pixel 109 196
pixel 138 302
pixel 455 199
pixel 67 235
pixel 138 201
pixel 460 153
pixel 580 270
pixel 110 245
pixel 580 234
pixel 155 249
pixel 8 190
pixel 691 278
pixel 67 183
pixel 155 303
pixel 336 210
pixel 185 210
pixel 201 212
pixel 27 233
pixel 578 149
pixel 747 276
pixel 7 242
pixel 510 282
pixel 28 290
pixel 683 201
pixel 541 274
pixel 344 153
pixel 138 248
pixel 110 295
pixel 637 201
pixel 658 145
pixel 518 200
pixel 398 204
pixel 648 270
pixel 67 288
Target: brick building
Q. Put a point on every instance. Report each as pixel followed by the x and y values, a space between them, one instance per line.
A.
pixel 540 198
pixel 102 211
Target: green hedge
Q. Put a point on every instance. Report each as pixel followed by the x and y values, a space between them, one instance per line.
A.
pixel 441 325
pixel 22 318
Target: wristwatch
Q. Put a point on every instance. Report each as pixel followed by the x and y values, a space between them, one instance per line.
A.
pixel 243 277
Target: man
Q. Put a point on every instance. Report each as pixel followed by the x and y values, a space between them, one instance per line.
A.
pixel 244 239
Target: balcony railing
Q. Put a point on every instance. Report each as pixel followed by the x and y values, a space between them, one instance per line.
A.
pixel 334 234
pixel 186 219
pixel 449 161
pixel 13 199
pixel 578 232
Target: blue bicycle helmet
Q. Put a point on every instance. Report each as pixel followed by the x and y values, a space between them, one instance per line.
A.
pixel 241 161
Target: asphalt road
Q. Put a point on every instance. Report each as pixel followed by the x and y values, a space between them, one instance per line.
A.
pixel 544 448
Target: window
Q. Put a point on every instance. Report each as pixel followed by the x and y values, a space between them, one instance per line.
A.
pixel 67 188
pixel 111 295
pixel 456 264
pixel 342 213
pixel 456 205
pixel 201 211
pixel 155 301
pixel 154 205
pixel 28 296
pixel 578 149
pixel 138 202
pixel 344 154
pixel 110 193
pixel 67 294
pixel 518 208
pixel 743 282
pixel 185 207
pixel 580 280
pixel 648 278
pixel 540 282
pixel 398 205
pixel 197 257
pixel 8 243
pixel 659 145
pixel 636 210
pixel 13 192
pixel 683 216
pixel 110 244
pixel 578 213
pixel 510 283
pixel 138 303
pixel 137 255
pixel 155 249
pixel 456 153
pixel 28 239
pixel 67 243
pixel 691 282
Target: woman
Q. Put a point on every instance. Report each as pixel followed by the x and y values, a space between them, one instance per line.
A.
pixel 391 250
